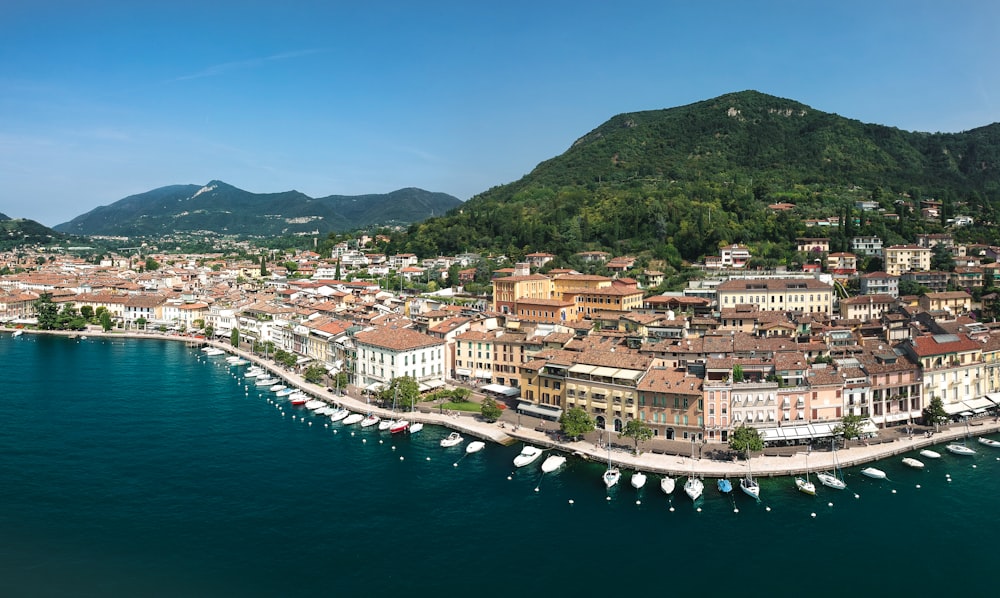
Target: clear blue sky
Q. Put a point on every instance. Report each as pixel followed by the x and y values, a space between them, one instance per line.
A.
pixel 100 100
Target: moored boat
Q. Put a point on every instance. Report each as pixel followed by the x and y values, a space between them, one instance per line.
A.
pixel 611 477
pixel 667 484
pixel 552 463
pixel 370 420
pixel 914 463
pixel 873 473
pixel 339 415
pixel 416 427
pixel 353 418
pixel 451 440
pixel 298 398
pixel 960 449
pixel 638 480
pixel 724 485
pixel 385 424
pixel 693 487
pixel 278 387
pixel 930 454
pixel 527 455
pixel 475 446
pixel 989 442
pixel 284 392
pixel 400 425
pixel 804 485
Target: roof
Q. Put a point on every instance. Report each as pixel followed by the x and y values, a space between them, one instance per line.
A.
pixel 396 339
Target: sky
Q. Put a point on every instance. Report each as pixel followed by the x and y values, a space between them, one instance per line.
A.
pixel 100 100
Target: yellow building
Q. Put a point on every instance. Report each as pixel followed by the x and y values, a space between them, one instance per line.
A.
pixel 806 295
pixel 906 258
pixel 507 290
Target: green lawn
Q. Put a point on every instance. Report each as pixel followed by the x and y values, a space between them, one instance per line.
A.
pixel 464 406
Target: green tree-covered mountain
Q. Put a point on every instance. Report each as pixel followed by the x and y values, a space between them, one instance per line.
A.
pixel 677 183
pixel 20 232
pixel 224 209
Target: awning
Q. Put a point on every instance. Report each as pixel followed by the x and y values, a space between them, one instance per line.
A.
pixel 484 374
pixel 463 372
pixel 302 360
pixel 979 405
pixel 500 389
pixel 374 387
pixel 433 383
pixel 546 411
pixel 954 408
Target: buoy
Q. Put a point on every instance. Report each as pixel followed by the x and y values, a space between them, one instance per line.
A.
pixel 401 457
pixel 735 510
pixel 571 501
pixel 428 458
pixel 813 515
pixel 893 490
pixel 856 495
pixel 394 447
pixel 671 509
pixel 638 502
pixel 380 442
pixel 829 504
pixel 607 498
pixel 973 467
pixel 768 509
pixel 536 488
pixel 698 509
pixel 283 414
pixel 454 464
pixel 326 425
pixel 334 431
pixel 310 423
pixel 364 440
pixel 918 486
pixel 352 433
pixel 508 478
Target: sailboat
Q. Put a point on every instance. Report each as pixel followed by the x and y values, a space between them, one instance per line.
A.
pixel 833 480
pixel 748 485
pixel 961 449
pixel 804 485
pixel 612 475
pixel 415 426
pixel 693 487
pixel 667 484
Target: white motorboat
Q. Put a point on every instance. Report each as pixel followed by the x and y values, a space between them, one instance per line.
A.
pixel 353 418
pixel 527 456
pixel 416 427
pixel 930 454
pixel 638 480
pixel 667 484
pixel 237 361
pixel 17 333
pixel 278 387
pixel 873 473
pixel 325 410
pixel 914 463
pixel 370 420
pixel 960 449
pixel 400 425
pixel 268 382
pixel 339 415
pixel 385 424
pixel 989 442
pixel 298 398
pixel 254 372
pixel 693 487
pixel 284 392
pixel 452 439
pixel 315 404
pixel 475 446
pixel 552 463
pixel 213 352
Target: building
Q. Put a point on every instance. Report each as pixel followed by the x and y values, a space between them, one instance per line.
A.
pixel 868 246
pixel 842 264
pixel 879 283
pixel 866 307
pixel 806 295
pixel 734 256
pixel 900 259
pixel 812 244
pixel 384 353
pixel 956 302
pixel 509 289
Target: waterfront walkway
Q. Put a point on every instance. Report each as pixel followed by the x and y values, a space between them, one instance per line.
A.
pixel 657 456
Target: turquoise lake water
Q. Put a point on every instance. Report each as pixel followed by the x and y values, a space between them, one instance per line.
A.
pixel 142 468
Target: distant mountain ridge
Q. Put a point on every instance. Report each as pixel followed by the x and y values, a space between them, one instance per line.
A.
pixel 225 209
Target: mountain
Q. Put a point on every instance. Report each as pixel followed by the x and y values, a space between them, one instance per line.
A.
pixel 225 209
pixel 678 183
pixel 19 232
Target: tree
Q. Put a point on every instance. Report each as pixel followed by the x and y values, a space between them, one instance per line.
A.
pixel 314 373
pixel 575 422
pixel 87 311
pixel 141 323
pixel 941 258
pixel 209 331
pixel 263 266
pixel 234 337
pixel 46 311
pixel 490 410
pixel 737 373
pixel 152 264
pixel 637 431
pixel 404 391
pixel 849 426
pixel 105 320
pixel 934 413
pixel 745 439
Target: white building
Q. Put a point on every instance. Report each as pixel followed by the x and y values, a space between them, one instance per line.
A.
pixel 385 353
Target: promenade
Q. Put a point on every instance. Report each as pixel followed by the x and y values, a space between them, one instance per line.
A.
pixel 656 456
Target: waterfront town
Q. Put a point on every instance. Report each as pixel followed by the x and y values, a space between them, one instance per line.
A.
pixel 787 353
